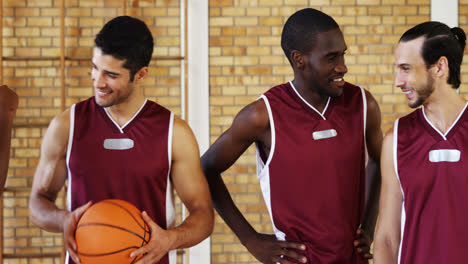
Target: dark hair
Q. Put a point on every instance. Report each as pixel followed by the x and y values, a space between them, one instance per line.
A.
pixel 127 38
pixel 440 40
pixel 299 31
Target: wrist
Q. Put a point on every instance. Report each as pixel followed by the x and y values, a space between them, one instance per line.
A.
pixel 62 218
pixel 172 240
pixel 248 238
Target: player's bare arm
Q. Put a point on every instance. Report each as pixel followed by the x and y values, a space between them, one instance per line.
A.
pixel 49 178
pixel 365 234
pixel 250 125
pixel 8 106
pixel 192 188
pixel 387 240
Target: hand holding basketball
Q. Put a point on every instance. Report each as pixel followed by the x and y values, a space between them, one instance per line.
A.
pixel 158 246
pixel 69 227
pixel 108 231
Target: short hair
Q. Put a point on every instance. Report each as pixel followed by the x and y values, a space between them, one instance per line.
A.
pixel 127 38
pixel 301 28
pixel 440 40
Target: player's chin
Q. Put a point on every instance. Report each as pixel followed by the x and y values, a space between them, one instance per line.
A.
pixel 103 103
pixel 337 92
pixel 335 89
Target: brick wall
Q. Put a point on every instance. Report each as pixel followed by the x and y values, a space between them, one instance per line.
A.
pixel 245 60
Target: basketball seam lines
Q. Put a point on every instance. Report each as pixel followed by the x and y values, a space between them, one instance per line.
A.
pixel 105 254
pixel 118 227
pixel 126 210
pixel 142 244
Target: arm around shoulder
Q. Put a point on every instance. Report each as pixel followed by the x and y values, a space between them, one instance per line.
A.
pixel 387 239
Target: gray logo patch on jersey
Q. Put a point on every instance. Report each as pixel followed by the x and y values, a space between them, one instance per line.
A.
pixel 118 143
pixel 441 155
pixel 329 133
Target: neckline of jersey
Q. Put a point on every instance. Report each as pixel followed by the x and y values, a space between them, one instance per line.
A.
pixel 444 136
pixel 311 106
pixel 129 121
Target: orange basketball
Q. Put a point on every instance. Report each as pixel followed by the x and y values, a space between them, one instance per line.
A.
pixel 108 231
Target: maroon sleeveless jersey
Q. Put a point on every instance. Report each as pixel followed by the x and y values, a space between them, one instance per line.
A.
pixel 131 163
pixel 433 172
pixel 313 180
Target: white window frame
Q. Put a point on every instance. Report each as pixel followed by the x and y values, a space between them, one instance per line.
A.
pixel 198 96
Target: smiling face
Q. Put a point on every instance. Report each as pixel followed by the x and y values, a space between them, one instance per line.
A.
pixel 111 80
pixel 413 77
pixel 325 66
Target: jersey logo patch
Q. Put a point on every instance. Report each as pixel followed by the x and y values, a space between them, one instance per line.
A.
pixel 329 133
pixel 441 155
pixel 118 143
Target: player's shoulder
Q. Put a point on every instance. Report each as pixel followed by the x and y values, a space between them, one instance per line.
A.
pixel 389 133
pixel 254 114
pixel 181 128
pixel 409 122
pixel 180 123
pixel 61 121
pixel 387 143
pixel 358 90
pixel 155 107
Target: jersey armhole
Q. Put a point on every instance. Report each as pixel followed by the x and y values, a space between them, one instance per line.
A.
pixel 69 149
pixel 364 117
pixel 170 211
pixel 395 166
pixel 395 154
pixel 273 137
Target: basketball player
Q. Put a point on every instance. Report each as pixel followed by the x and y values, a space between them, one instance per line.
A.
pixel 425 186
pixel 312 135
pixel 120 145
pixel 8 106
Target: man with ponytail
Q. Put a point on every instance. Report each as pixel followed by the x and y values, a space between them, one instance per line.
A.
pixel 424 165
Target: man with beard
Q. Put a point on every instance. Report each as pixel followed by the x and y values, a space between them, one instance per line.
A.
pixel 423 216
pixel 119 145
pixel 312 135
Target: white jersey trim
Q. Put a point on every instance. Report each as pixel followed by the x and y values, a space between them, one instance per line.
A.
pixel 263 170
pixel 364 105
pixel 129 121
pixel 444 136
pixel 307 103
pixel 69 147
pixel 273 135
pixel 170 209
pixel 395 166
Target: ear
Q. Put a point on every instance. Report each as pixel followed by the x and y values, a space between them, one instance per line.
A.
pixel 141 74
pixel 298 59
pixel 441 67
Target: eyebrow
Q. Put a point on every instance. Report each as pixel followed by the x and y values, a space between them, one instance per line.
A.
pixel 333 53
pixel 106 71
pixel 403 65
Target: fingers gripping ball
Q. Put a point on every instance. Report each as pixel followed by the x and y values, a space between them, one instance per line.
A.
pixel 108 231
